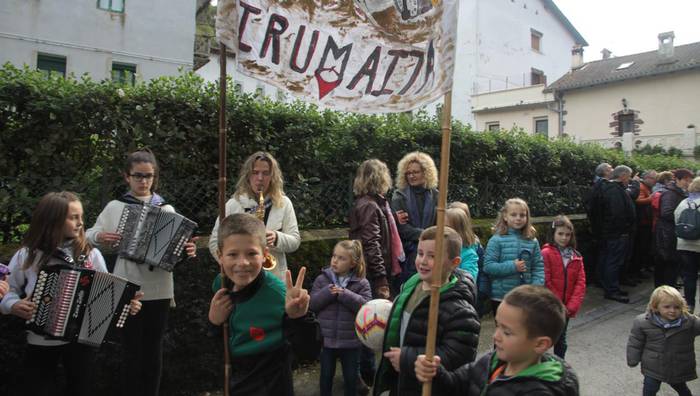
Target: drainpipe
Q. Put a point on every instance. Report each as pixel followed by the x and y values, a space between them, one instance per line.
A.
pixel 560 111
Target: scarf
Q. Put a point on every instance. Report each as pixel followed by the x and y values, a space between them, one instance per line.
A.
pixel 397 254
pixel 129 198
pixel 566 255
pixel 664 324
pixel 412 206
pixel 693 196
pixel 341 281
pixel 254 209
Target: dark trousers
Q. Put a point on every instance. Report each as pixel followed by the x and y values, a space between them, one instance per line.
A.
pixel 641 257
pixel 612 258
pixel 690 261
pixel 143 349
pixel 626 270
pixel 666 271
pixel 41 363
pixel 349 358
pixel 652 385
pixel 561 345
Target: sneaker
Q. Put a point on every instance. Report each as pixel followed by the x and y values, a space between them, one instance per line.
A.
pixel 617 297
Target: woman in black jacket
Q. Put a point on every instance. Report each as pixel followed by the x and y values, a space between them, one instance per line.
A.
pixel 667 258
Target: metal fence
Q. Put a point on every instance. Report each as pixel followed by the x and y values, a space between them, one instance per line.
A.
pixel 323 204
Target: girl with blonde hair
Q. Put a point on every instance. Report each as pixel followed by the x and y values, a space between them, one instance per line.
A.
pixel 415 203
pixel 261 173
pixel 663 340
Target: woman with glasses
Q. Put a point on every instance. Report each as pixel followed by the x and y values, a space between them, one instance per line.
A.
pixel 415 203
pixel 143 334
pixel 261 172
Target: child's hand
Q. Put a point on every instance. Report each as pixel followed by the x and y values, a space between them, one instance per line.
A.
pixel 4 288
pixel 425 369
pixel 296 302
pixel 135 304
pixel 191 247
pixel 23 308
pixel 382 292
pixel 108 238
pixel 336 289
pixel 220 307
pixel 402 216
pixel 520 265
pixel 394 356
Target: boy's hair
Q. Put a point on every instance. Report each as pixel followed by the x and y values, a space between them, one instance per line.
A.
pixel 276 189
pixel 354 247
pixel 242 224
pixel 501 228
pixel 372 178
pixel 452 240
pixel 562 221
pixel 143 155
pixel 47 228
pixel 666 292
pixel 664 177
pixel 424 161
pixel 460 222
pixel 544 314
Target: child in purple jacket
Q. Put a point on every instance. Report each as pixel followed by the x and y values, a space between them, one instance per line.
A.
pixel 337 294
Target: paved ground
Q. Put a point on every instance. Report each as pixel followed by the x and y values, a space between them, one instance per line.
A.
pixel 597 342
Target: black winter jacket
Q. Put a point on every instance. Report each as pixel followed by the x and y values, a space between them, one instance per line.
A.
pixel 457 335
pixel 369 224
pixel 665 233
pixel 617 210
pixel 552 377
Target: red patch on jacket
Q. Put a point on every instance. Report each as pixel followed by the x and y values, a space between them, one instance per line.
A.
pixel 257 333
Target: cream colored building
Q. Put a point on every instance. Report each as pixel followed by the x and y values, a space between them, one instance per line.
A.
pixel 628 101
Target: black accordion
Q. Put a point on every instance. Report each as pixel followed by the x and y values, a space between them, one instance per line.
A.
pixel 153 236
pixel 80 304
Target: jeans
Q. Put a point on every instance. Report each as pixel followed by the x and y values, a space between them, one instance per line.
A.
pixel 143 348
pixel 561 345
pixel 652 385
pixel 613 251
pixel 349 359
pixel 690 261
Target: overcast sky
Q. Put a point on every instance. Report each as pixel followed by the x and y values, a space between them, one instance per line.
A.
pixel 631 26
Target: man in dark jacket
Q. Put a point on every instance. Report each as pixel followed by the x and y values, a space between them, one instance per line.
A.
pixel 617 220
pixel 667 258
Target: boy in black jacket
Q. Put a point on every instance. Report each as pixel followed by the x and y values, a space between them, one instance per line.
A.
pixel 528 322
pixel 458 323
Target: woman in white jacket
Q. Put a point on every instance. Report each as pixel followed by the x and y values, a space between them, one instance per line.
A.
pixel 689 249
pixel 261 172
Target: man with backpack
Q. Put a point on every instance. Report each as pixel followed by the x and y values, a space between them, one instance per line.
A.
pixel 687 216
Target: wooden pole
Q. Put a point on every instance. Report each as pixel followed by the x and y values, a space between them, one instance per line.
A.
pixel 222 192
pixel 436 281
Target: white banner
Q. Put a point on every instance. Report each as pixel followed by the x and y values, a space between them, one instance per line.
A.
pixel 366 56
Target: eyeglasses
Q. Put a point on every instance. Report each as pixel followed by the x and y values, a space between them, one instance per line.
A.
pixel 414 173
pixel 142 176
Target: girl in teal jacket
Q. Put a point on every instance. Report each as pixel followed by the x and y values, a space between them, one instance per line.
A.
pixel 513 255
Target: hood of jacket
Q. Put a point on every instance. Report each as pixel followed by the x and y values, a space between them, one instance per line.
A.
pixel 552 372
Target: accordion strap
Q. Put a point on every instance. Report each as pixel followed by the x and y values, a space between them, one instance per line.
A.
pixel 63 256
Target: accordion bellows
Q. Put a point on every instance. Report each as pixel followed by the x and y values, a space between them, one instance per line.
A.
pixel 153 236
pixel 79 304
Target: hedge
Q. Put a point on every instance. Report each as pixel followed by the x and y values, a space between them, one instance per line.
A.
pixel 73 133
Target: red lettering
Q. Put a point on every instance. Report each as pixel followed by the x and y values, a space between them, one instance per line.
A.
pixel 369 69
pixel 390 71
pixel 273 35
pixel 247 10
pixel 416 71
pixel 309 53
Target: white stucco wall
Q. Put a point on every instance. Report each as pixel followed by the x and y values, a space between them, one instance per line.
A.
pixel 667 104
pixel 157 36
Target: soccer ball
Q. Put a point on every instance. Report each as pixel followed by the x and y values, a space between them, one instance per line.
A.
pixel 371 322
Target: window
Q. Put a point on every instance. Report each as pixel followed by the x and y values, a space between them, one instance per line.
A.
pixel 493 126
pixel 50 64
pixel 542 126
pixel 238 87
pixel 537 77
pixel 111 5
pixel 124 73
pixel 281 95
pixel 624 66
pixel 536 40
pixel 259 91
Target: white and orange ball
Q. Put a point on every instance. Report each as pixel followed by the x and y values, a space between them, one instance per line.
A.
pixel 371 323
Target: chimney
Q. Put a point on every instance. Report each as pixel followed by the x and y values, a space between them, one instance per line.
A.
pixel 576 57
pixel 606 53
pixel 666 45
